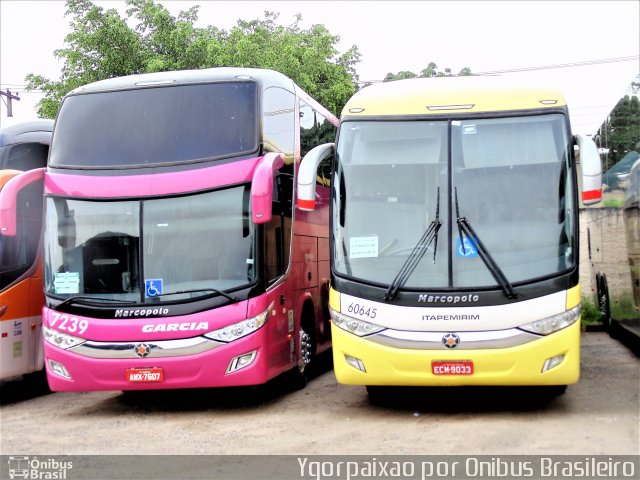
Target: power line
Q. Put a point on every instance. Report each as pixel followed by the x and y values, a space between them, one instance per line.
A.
pixel 22 89
pixel 565 65
pixel 545 67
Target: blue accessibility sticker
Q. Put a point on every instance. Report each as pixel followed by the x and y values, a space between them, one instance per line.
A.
pixel 469 250
pixel 153 287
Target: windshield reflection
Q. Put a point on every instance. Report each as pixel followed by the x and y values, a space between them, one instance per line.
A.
pixel 515 185
pixel 194 245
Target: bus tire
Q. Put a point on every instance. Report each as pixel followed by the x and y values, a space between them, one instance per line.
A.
pixel 604 303
pixel 37 382
pixel 555 390
pixel 379 394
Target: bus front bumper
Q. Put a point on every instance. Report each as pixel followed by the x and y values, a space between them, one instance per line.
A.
pixel 360 361
pixel 70 371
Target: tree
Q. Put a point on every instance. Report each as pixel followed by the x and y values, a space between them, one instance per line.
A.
pixel 620 133
pixel 399 76
pixel 430 71
pixel 103 45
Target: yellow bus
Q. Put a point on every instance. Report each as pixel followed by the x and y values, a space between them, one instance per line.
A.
pixel 454 234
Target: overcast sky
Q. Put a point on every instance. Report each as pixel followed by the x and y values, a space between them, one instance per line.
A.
pixel 394 36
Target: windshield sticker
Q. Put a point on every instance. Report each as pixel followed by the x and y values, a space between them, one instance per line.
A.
pixel 66 283
pixel 153 287
pixel 469 130
pixel 469 250
pixel 363 247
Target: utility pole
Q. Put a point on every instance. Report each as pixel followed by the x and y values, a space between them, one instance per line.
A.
pixel 10 97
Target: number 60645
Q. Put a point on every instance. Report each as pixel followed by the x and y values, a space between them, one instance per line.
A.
pixel 361 310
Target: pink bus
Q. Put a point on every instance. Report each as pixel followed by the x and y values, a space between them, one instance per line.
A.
pixel 174 256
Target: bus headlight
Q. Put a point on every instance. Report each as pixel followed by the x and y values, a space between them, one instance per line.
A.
pixel 59 339
pixel 353 325
pixel 554 323
pixel 241 329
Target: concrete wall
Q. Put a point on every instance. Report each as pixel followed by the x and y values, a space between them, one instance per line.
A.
pixel 606 229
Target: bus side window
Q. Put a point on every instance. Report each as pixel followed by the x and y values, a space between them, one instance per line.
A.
pixel 279 136
pixel 325 133
pixel 27 156
pixel 18 253
pixel 308 129
pixel 279 121
pixel 277 233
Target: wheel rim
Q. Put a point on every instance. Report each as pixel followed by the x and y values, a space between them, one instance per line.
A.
pixel 305 350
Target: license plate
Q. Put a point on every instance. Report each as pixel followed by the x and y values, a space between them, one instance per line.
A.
pixel 459 367
pixel 144 375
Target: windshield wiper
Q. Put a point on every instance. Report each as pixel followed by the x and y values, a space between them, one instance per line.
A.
pixel 86 300
pixel 430 235
pixel 214 291
pixel 465 228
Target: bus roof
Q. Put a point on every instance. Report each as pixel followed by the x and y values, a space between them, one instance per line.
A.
pixel 31 131
pixel 448 95
pixel 180 77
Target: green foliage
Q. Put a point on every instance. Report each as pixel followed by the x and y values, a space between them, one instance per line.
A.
pixel 103 45
pixel 430 71
pixel 399 76
pixel 613 203
pixel 621 131
pixel 590 314
pixel 624 308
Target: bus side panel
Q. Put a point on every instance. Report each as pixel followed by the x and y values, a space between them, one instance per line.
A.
pixel 315 224
pixel 280 332
pixel 521 365
pixel 36 300
pixel 632 219
pixel 20 327
pixel 322 307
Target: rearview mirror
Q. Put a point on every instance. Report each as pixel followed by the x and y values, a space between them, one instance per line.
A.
pixel 307 175
pixel 591 170
pixel 262 187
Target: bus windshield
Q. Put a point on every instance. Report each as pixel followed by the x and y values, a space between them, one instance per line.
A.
pixel 135 250
pixel 156 126
pixel 513 181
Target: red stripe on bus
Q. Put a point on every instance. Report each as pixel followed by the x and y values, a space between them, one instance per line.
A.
pixel 306 204
pixel 591 195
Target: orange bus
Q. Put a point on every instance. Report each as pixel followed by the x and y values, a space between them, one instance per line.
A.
pixel 23 146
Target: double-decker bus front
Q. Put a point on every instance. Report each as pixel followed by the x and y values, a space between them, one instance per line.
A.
pixel 455 238
pixel 154 260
